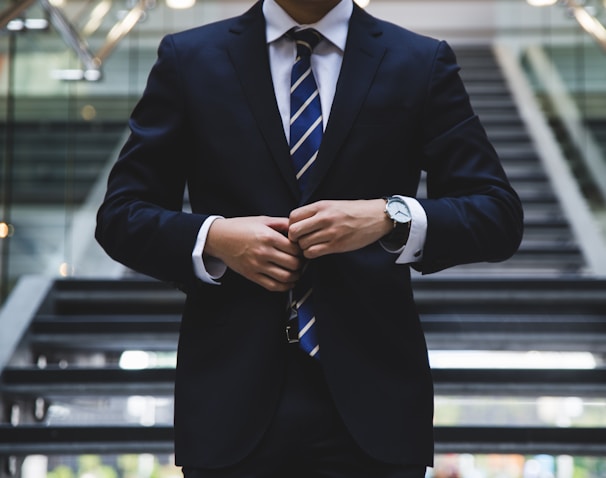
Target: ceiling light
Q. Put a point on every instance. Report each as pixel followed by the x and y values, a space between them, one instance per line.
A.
pixel 6 230
pixel 76 75
pixel 15 25
pixel 542 3
pixel 180 4
pixel 36 24
pixel 18 24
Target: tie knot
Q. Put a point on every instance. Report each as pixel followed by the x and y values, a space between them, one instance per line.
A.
pixel 306 40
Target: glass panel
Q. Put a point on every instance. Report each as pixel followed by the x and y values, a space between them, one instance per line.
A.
pixel 62 134
pixel 520 411
pixel 58 146
pixel 565 59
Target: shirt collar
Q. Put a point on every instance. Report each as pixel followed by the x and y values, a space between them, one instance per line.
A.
pixel 333 26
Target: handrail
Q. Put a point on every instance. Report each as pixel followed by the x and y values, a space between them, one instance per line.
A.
pixel 91 63
pixel 569 114
pixel 122 28
pixel 588 22
pixel 18 312
pixel 587 232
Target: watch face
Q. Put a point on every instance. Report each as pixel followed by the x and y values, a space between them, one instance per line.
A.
pixel 398 210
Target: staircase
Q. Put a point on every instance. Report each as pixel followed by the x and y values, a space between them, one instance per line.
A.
pixel 548 247
pixel 598 128
pixel 58 162
pixel 58 152
pixel 70 359
pixel 55 156
pixel 64 389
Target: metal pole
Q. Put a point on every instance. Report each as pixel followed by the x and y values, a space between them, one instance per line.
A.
pixel 588 22
pixel 71 37
pixel 9 152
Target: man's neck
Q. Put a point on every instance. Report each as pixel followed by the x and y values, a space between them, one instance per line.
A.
pixel 306 12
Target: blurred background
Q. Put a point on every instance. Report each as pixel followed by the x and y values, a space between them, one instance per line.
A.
pixel 87 348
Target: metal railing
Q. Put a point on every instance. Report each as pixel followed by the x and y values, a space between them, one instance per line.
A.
pixel 75 39
pixel 566 65
pixel 587 15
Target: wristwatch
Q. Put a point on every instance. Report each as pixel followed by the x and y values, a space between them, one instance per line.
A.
pixel 397 210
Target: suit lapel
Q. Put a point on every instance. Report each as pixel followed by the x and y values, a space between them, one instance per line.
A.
pixel 248 52
pixel 363 54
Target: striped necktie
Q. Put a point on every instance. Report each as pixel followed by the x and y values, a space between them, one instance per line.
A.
pixel 305 108
pixel 305 139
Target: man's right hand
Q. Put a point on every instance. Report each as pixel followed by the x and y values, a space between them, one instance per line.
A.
pixel 257 248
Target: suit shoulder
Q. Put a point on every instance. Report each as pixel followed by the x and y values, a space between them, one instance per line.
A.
pixel 204 35
pixel 407 43
pixel 216 34
pixel 400 36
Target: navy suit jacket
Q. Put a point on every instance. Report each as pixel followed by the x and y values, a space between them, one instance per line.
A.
pixel 208 119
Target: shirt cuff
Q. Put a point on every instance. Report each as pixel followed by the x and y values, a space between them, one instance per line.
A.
pixel 412 251
pixel 208 269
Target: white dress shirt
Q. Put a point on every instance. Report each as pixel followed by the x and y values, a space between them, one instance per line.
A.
pixel 326 63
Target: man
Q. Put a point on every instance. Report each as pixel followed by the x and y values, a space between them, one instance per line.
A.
pixel 301 352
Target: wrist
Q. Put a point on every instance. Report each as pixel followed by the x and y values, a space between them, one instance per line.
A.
pixel 215 238
pixel 387 224
pixel 398 214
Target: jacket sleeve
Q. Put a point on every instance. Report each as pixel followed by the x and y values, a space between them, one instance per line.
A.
pixel 473 214
pixel 141 223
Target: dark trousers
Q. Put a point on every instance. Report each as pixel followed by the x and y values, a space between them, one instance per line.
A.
pixel 307 438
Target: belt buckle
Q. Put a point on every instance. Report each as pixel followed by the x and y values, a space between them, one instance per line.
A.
pixel 292 334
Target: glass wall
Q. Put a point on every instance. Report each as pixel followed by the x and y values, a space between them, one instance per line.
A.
pixel 70 73
pixel 565 59
pixel 58 133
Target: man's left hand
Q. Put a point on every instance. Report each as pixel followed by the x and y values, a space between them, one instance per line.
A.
pixel 328 227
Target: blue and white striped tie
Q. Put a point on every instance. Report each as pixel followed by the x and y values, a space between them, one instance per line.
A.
pixel 305 108
pixel 305 138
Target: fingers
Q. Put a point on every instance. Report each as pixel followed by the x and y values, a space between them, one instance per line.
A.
pixel 307 220
pixel 276 279
pixel 270 251
pixel 328 227
pixel 258 249
pixel 282 241
pixel 314 228
pixel 278 224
